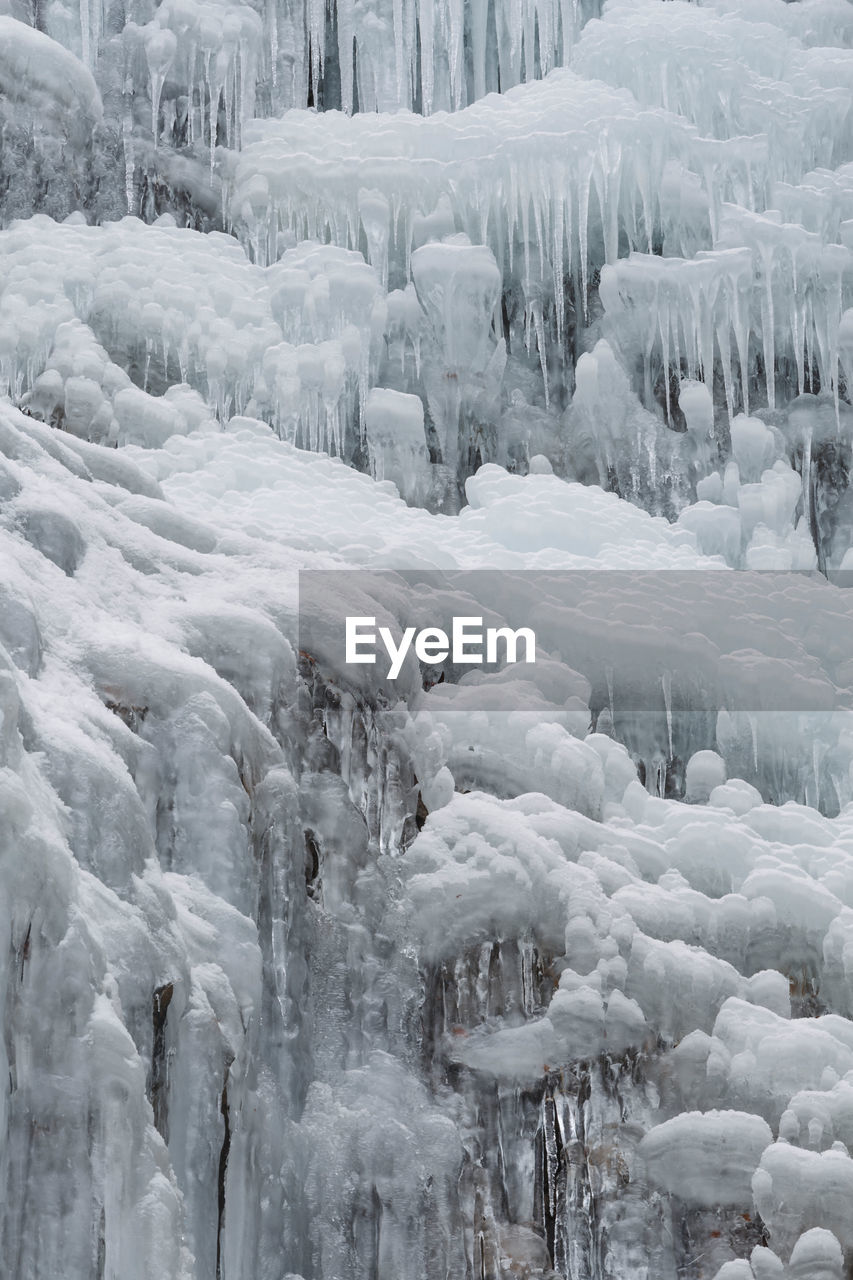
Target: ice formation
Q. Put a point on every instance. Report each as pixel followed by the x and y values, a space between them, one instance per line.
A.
pixel 530 973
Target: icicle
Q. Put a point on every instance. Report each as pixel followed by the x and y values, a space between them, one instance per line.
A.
pixel 666 685
pixel 129 162
pixel 540 342
pixel 160 49
pixel 797 326
pixel 557 236
pixel 397 18
pixel 271 14
pixel 316 37
pixel 525 234
pixel 724 348
pixel 676 344
pixel 610 216
pixel 753 725
pixel 741 323
pixel 583 221
pixel 85 33
pixel 529 27
pixel 816 771
pixel 455 51
pixel 663 328
pixel 768 325
pixel 807 480
pixel 568 12
pixel 426 29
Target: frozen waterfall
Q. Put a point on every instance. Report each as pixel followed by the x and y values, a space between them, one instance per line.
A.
pixel 537 313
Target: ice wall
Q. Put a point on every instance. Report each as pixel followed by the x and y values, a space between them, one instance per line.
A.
pixel 686 166
pixel 303 981
pixel 316 1001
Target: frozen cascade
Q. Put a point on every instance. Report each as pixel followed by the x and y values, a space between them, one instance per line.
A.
pixel 769 297
pixel 512 976
pixel 299 894
pixel 181 78
pixel 295 342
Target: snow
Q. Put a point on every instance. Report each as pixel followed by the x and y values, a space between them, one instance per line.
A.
pixel 707 1158
pixel 539 309
pixel 39 76
pixel 145 633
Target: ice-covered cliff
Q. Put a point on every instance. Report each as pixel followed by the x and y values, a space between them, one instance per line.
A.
pixel 313 976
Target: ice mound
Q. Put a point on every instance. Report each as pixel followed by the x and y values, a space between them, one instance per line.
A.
pixel 825 1179
pixel 43 81
pixel 538 515
pixel 212 473
pixel 196 319
pixel 707 1158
